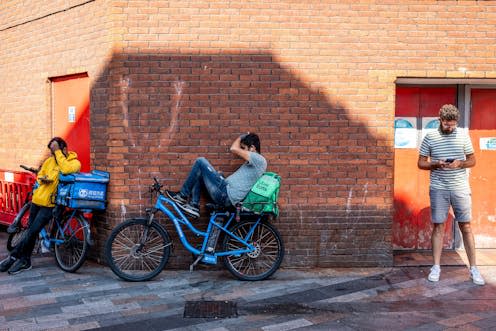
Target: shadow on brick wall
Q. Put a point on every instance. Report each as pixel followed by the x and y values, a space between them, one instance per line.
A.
pixel 153 114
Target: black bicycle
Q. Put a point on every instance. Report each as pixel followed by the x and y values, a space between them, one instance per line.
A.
pixel 68 236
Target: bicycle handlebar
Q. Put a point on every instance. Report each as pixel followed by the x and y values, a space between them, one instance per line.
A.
pixel 156 187
pixel 30 169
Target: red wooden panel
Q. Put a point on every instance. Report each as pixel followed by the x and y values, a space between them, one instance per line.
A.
pixel 407 101
pixel 431 100
pixel 411 222
pixel 73 92
pixel 404 219
pixel 483 176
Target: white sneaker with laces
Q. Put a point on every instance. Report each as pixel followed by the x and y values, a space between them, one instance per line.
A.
pixel 435 273
pixel 476 276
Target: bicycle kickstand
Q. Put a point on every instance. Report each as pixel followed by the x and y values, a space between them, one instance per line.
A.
pixel 198 259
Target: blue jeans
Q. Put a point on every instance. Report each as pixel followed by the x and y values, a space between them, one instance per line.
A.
pixel 39 216
pixel 203 174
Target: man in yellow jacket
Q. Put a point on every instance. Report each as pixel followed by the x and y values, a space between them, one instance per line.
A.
pixel 61 161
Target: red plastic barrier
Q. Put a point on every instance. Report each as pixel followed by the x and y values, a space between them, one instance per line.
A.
pixel 14 188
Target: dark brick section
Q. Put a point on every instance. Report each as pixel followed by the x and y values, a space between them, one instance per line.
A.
pixel 173 107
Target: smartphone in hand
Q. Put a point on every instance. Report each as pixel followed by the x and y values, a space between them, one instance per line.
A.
pixel 45 180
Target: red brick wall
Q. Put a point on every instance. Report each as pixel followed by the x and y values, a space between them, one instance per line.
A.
pixel 314 79
pixel 39 40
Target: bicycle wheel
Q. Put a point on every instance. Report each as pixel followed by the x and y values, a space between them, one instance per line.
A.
pixel 74 231
pixel 21 221
pixel 134 256
pixel 263 261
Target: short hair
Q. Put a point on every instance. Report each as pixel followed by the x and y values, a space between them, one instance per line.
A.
pixel 251 139
pixel 60 141
pixel 449 113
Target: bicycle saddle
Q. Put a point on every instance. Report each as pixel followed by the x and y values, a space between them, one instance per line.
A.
pixel 213 207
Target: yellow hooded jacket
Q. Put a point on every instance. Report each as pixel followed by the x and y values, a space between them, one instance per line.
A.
pixel 44 195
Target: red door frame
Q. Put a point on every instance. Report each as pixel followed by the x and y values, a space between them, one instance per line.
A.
pixel 482 176
pixel 411 222
pixel 71 114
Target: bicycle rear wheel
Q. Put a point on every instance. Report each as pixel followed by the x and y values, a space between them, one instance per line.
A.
pixel 138 252
pixel 74 231
pixel 22 225
pixel 263 261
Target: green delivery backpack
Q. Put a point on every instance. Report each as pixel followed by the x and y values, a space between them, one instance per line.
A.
pixel 262 197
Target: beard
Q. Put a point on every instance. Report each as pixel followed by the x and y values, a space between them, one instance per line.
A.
pixel 446 131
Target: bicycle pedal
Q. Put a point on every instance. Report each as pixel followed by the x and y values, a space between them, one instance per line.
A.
pixel 12 229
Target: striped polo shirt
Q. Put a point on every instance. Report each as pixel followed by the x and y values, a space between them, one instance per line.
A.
pixel 440 146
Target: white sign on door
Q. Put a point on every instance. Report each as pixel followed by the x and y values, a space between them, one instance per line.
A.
pixel 405 132
pixel 488 143
pixel 71 112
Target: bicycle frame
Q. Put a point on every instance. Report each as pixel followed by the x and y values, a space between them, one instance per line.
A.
pixel 183 220
pixel 48 239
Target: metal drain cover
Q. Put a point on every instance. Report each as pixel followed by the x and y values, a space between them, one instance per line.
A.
pixel 210 309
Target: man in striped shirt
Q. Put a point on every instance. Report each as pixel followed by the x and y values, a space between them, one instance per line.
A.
pixel 447 153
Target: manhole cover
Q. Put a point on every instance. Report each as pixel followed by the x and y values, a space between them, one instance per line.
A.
pixel 210 309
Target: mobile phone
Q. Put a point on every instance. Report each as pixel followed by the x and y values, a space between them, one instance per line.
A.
pixel 449 160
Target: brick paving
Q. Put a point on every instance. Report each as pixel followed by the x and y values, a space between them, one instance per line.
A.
pixel 46 298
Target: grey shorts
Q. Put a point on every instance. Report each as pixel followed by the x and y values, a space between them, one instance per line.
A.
pixel 441 200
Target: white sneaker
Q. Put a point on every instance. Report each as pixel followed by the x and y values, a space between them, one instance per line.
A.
pixel 476 276
pixel 435 273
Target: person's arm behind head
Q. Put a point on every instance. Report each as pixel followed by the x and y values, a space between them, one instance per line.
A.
pixel 244 144
pixel 69 164
pixel 241 151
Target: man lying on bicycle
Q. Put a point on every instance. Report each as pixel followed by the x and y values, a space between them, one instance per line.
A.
pixel 223 191
pixel 42 206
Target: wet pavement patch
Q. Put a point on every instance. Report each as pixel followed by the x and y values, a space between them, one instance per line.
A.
pixel 210 309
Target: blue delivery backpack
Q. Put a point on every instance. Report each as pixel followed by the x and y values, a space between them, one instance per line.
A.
pixel 83 190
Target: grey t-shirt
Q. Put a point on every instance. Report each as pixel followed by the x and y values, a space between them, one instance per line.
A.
pixel 242 180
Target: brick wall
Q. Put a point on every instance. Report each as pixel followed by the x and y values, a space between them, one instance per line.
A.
pixel 40 40
pixel 314 79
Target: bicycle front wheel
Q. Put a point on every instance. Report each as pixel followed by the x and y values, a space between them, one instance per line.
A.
pixel 73 232
pixel 263 261
pixel 138 252
pixel 15 238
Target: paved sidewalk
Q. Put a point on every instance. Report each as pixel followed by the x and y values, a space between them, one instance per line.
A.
pixel 46 298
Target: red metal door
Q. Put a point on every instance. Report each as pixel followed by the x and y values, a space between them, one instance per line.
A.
pixel 71 109
pixel 411 222
pixel 483 176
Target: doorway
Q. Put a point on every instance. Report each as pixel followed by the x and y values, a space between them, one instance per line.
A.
pixel 416 112
pixel 71 114
pixel 482 176
pixel 416 108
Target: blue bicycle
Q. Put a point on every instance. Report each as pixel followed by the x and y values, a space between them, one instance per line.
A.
pixel 252 249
